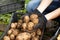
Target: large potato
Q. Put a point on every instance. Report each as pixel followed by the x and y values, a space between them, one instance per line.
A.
pixel 24 36
pixel 30 25
pixel 6 38
pixel 26 19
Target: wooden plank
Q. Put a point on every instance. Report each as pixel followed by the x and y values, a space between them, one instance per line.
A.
pixel 2 27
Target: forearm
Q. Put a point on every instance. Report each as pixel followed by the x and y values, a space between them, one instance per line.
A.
pixel 53 14
pixel 44 4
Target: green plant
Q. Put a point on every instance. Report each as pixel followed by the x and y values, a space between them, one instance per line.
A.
pixel 5 18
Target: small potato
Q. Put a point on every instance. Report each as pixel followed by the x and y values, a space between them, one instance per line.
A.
pixel 15 32
pixel 58 38
pixel 24 26
pixel 12 36
pixel 33 16
pixel 26 19
pixel 9 32
pixel 35 21
pixel 33 34
pixel 20 21
pixel 13 25
pixel 30 25
pixel 19 25
pixel 35 38
pixel 6 38
pixel 39 32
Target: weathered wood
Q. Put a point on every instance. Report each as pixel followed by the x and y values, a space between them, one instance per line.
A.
pixel 2 27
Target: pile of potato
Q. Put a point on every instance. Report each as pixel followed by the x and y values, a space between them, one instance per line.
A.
pixel 17 30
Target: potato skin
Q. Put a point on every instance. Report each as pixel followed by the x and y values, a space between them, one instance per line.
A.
pixel 6 38
pixel 26 19
pixel 30 26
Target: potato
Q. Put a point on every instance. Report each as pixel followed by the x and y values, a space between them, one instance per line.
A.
pixel 35 21
pixel 58 38
pixel 35 38
pixel 24 26
pixel 33 16
pixel 20 21
pixel 13 25
pixel 12 36
pixel 24 36
pixel 39 32
pixel 30 25
pixel 19 25
pixel 26 19
pixel 15 32
pixel 9 32
pixel 33 34
pixel 6 38
pixel 19 37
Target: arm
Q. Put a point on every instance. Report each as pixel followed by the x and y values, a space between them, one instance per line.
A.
pixel 44 4
pixel 53 14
